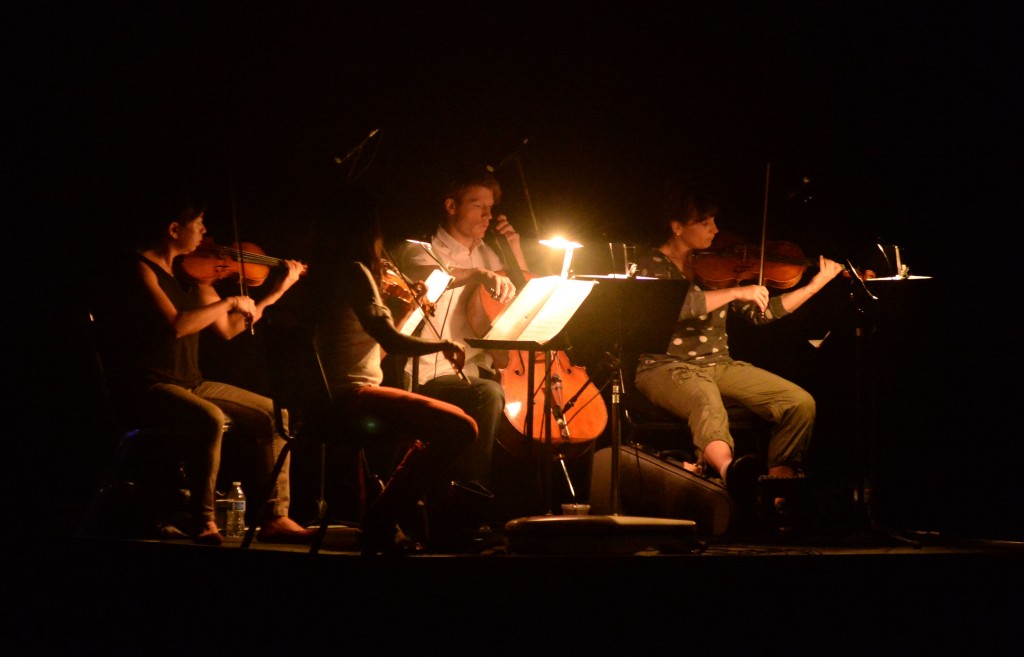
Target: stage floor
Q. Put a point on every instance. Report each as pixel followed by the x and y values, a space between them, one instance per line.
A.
pixel 872 593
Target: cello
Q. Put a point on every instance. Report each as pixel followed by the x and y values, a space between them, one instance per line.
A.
pixel 578 423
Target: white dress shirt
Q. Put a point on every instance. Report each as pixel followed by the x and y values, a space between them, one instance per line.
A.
pixel 451 318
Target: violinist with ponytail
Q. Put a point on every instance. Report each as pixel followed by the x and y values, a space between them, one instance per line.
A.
pixel 351 325
pixel 696 370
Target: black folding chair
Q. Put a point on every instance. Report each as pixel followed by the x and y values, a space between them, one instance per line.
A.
pixel 143 469
pixel 304 409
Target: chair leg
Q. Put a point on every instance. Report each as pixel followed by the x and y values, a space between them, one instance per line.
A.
pixel 119 475
pixel 271 482
pixel 364 475
pixel 321 530
pixel 107 480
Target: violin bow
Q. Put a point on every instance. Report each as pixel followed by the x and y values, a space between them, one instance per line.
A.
pixel 426 246
pixel 406 281
pixel 764 222
pixel 242 288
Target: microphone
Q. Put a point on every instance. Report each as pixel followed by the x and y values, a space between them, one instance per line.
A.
pixel 563 426
pixel 802 190
pixel 556 407
pixel 513 154
pixel 359 147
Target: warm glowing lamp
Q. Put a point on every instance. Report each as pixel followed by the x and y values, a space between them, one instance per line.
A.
pixel 562 243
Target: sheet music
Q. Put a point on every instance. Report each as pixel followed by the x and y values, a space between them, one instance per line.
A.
pixel 541 310
pixel 563 302
pixel 412 323
pixel 514 320
pixel 437 282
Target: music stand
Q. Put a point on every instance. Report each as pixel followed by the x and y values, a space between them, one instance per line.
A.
pixel 601 322
pixel 534 322
pixel 866 309
pixel 596 327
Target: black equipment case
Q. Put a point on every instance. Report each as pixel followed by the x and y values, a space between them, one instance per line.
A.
pixel 654 484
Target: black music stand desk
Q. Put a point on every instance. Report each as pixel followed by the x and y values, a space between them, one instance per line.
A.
pixel 590 315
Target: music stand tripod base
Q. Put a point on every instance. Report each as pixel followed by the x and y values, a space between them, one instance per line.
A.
pixel 600 535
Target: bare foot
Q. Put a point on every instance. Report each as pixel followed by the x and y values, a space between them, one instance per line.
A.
pixel 282 524
pixel 283 528
pixel 209 534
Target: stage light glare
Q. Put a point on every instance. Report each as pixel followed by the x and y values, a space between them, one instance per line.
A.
pixel 561 243
pixel 568 246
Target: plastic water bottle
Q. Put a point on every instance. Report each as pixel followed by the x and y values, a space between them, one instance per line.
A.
pixel 235 522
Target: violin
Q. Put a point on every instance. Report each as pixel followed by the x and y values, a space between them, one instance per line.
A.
pixel 245 261
pixel 730 262
pixel 404 295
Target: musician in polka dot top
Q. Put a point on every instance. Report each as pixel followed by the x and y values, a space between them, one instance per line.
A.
pixel 696 370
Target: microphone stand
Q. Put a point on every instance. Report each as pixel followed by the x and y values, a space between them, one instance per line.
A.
pixel 358 148
pixel 612 363
pixel 864 405
pixel 514 155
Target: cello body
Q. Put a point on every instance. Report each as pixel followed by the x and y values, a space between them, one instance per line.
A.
pixel 564 433
pixel 528 428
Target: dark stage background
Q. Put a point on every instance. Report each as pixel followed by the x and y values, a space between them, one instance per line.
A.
pixel 888 123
